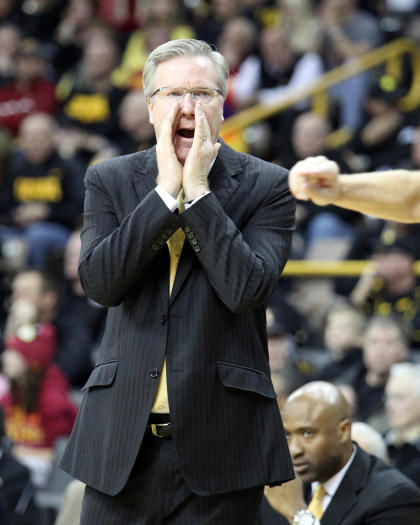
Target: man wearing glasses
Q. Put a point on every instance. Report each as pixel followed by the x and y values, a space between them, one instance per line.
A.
pixel 184 243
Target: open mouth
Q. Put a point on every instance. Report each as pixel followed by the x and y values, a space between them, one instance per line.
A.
pixel 186 133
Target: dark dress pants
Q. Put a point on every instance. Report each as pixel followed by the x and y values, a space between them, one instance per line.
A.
pixel 156 494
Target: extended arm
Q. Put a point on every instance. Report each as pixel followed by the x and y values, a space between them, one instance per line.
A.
pixel 392 195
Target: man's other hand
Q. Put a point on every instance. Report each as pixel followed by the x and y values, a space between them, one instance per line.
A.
pixel 197 165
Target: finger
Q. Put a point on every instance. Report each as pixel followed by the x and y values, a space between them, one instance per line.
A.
pixel 202 129
pixel 167 133
pixel 216 148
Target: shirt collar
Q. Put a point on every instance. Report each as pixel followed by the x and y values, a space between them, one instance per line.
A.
pixel 332 484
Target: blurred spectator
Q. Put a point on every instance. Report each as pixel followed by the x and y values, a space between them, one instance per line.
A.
pixel 382 139
pixel 278 73
pixel 369 440
pixel 412 161
pixel 37 407
pixel 137 132
pixel 30 91
pixel 123 15
pixel 39 19
pixel 17 505
pixel 71 33
pixel 79 320
pixel 310 133
pixel 403 410
pixel 389 285
pixel 290 341
pixel 9 12
pixel 343 337
pixel 304 27
pixel 384 344
pixel 348 32
pixel 268 79
pixel 73 352
pixel 237 43
pixel 9 43
pixel 162 20
pixel 210 26
pixel 42 194
pixel 280 344
pixel 89 100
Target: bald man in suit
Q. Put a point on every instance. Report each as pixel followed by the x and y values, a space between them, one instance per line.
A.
pixel 355 488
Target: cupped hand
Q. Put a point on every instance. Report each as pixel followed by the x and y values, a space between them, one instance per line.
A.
pixel 169 167
pixel 200 157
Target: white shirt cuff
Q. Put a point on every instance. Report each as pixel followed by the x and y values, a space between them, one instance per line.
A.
pixel 189 204
pixel 167 198
pixel 171 202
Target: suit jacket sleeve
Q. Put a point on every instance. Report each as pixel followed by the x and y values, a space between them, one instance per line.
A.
pixel 115 250
pixel 244 265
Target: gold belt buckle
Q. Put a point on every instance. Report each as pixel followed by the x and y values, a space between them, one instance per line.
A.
pixel 155 426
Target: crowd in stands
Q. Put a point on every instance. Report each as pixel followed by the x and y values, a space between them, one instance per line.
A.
pixel 71 95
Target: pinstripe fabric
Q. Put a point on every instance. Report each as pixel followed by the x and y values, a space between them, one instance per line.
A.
pixel 156 494
pixel 227 428
pixel 175 244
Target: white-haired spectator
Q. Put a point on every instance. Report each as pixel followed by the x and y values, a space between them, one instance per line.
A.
pixel 403 410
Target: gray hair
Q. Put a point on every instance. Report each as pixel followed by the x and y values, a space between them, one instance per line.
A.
pixel 186 47
pixel 404 371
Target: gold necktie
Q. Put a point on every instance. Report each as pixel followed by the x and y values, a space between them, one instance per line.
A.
pixel 315 506
pixel 175 244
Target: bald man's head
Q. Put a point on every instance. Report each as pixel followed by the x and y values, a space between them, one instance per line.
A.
pixel 316 418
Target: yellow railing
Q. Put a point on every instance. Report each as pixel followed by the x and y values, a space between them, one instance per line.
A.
pixel 390 54
pixel 318 268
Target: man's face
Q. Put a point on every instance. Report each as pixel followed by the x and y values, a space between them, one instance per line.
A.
pixel 187 72
pixel 382 347
pixel 315 439
pixel 309 136
pixel 27 286
pixel 402 403
pixel 36 138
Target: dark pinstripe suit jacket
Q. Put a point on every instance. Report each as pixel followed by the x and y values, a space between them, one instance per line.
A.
pixel 227 428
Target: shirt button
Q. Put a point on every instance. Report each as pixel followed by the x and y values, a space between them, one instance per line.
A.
pixel 154 373
pixel 187 229
pixel 190 235
pixel 163 320
pixel 194 242
pixel 197 248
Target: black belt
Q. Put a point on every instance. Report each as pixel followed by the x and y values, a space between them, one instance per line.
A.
pixel 160 426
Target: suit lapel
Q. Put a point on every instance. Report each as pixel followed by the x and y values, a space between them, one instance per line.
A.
pixel 222 183
pixel 346 495
pixel 145 173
